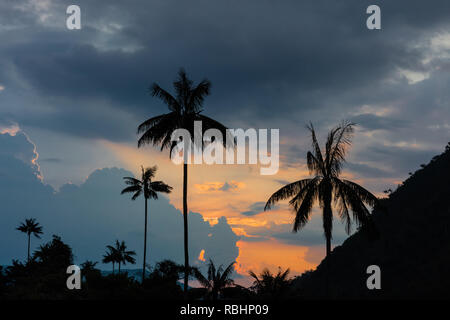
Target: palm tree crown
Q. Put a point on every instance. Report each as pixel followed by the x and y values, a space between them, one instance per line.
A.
pixel 120 254
pixel 30 227
pixel 110 256
pixel 184 109
pixel 145 186
pixel 269 285
pixel 216 279
pixel 326 186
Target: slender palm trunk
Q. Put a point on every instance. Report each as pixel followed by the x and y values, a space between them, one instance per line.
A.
pixel 185 220
pixel 119 267
pixel 28 256
pixel 328 245
pixel 328 217
pixel 328 227
pixel 145 242
pixel 114 269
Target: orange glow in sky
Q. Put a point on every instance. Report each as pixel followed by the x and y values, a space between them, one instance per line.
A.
pixel 229 190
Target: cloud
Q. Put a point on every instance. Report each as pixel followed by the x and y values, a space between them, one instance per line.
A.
pixel 274 66
pixel 365 170
pixel 294 76
pixel 91 215
pixel 254 209
pixel 219 186
pixel 16 144
pixel 374 122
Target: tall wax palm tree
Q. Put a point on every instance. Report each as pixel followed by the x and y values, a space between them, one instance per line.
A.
pixel 216 280
pixel 184 109
pixel 121 254
pixel 30 227
pixel 149 189
pixel 327 185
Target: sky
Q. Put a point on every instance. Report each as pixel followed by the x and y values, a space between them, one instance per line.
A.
pixel 71 101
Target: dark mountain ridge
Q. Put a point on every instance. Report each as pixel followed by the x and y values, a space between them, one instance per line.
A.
pixel 412 248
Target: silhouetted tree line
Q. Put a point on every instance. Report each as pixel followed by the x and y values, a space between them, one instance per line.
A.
pixel 43 276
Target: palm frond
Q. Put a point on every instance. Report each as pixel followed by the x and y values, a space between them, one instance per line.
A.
pixel 314 165
pixel 132 181
pixel 160 186
pixel 183 87
pixel 297 200
pixel 131 189
pixel 354 197
pixel 315 144
pixel 200 278
pixel 229 141
pixel 227 272
pixel 148 173
pixel 147 124
pixel 304 210
pixel 342 140
pixel 159 131
pixel 286 192
pixel 166 97
pixel 198 94
pixel 365 195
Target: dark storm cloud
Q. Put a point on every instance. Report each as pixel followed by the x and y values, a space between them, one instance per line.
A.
pixel 259 55
pixel 274 65
pixel 371 122
pixel 398 158
pixel 365 170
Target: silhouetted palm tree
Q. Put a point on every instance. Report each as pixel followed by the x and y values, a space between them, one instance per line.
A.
pixel 150 189
pixel 88 266
pixel 184 109
pixel 121 254
pixel 31 226
pixel 110 256
pixel 326 185
pixel 269 285
pixel 216 280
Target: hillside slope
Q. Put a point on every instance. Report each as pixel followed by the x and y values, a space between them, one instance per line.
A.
pixel 412 249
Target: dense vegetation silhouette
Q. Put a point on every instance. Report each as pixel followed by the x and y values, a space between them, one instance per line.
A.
pixel 216 280
pixel 184 109
pixel 149 189
pixel 271 286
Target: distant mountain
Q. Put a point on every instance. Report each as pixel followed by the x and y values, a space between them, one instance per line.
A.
pixel 412 248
